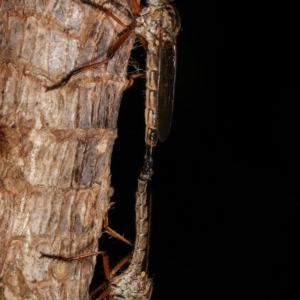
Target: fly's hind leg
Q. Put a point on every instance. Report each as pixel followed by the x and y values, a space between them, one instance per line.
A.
pixel 113 233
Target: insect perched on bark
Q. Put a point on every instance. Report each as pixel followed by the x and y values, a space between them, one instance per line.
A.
pixel 157 24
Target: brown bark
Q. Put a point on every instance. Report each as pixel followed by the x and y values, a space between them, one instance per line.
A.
pixel 55 146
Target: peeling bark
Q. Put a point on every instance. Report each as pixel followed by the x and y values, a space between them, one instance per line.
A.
pixel 55 146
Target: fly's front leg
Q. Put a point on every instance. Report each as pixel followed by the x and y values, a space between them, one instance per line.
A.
pixel 122 37
pixel 66 78
pixel 105 10
pixel 136 7
pixel 111 52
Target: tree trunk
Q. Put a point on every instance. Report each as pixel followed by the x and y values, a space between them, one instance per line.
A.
pixel 55 146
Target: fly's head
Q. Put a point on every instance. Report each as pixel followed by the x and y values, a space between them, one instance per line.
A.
pixel 158 22
pixel 170 23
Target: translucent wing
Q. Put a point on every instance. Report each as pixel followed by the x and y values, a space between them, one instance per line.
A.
pixel 166 87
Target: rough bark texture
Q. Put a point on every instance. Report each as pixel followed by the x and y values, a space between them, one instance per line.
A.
pixel 55 147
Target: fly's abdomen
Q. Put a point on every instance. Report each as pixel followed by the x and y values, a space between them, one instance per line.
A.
pixel 134 283
pixel 142 226
pixel 152 78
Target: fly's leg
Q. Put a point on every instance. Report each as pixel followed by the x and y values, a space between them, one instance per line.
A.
pixel 113 233
pixel 109 273
pixel 104 288
pixel 105 10
pixel 81 256
pixel 71 258
pixel 66 78
pixel 122 37
pixel 136 7
pixel 133 77
pixel 108 230
pixel 110 54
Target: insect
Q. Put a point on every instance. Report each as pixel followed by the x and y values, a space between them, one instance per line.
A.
pixel 157 25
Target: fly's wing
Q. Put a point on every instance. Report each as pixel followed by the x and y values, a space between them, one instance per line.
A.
pixel 166 87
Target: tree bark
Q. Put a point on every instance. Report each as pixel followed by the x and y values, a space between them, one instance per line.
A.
pixel 55 146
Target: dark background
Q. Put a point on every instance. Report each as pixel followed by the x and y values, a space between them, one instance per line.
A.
pixel 225 188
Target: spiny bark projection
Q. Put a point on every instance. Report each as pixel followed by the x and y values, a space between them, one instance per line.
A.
pixel 55 146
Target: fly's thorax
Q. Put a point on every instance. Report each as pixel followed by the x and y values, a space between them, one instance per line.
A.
pixel 158 23
pixel 130 286
pixel 152 77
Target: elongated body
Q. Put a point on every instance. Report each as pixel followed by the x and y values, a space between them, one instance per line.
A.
pixel 159 24
pixel 134 284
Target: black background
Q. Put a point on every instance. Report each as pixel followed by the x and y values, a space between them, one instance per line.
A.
pixel 225 187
